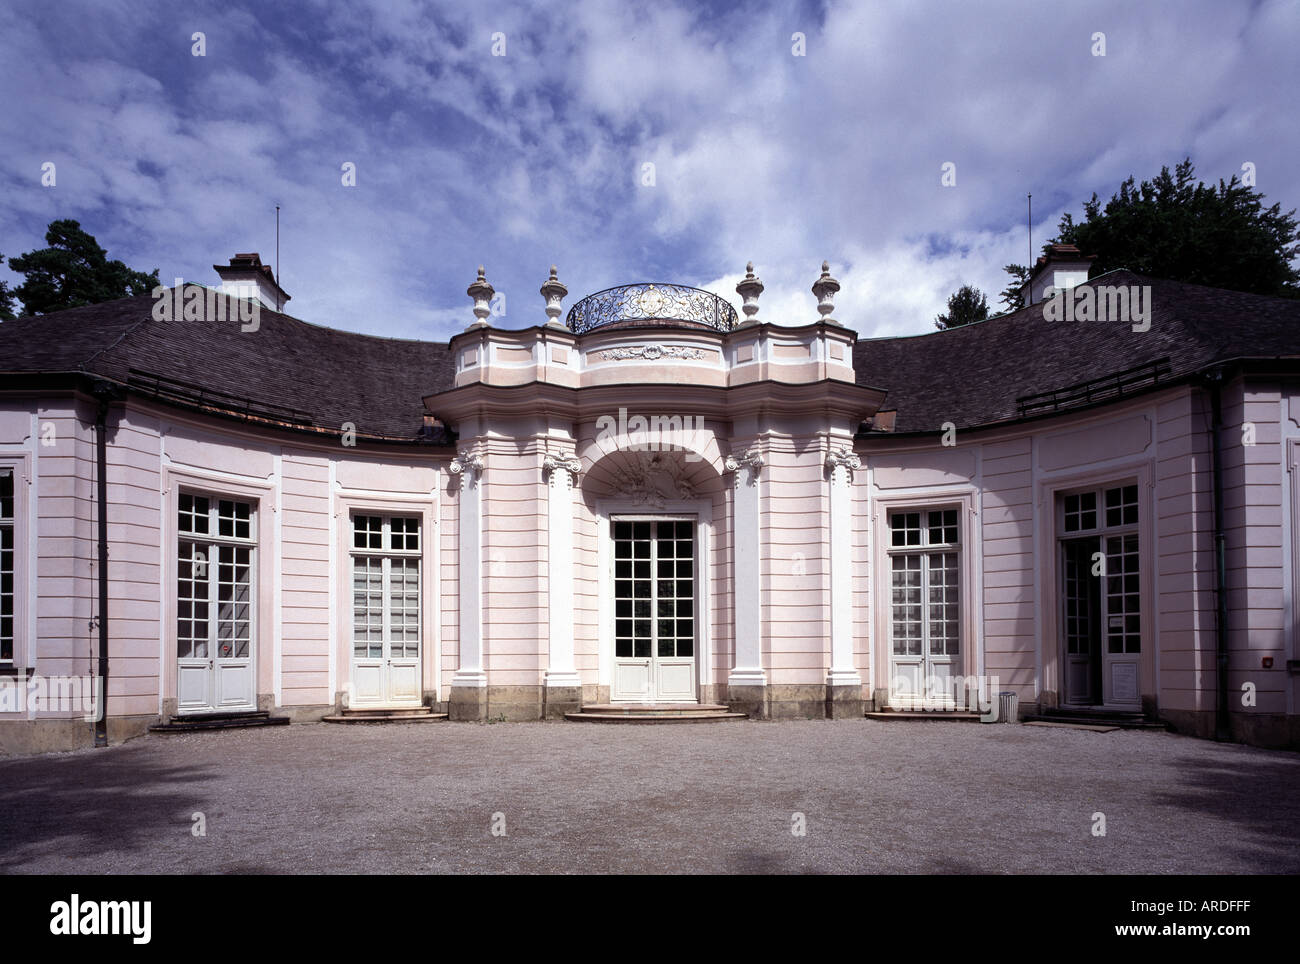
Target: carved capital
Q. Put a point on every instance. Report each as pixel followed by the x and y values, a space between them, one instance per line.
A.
pixel 843 457
pixel 752 460
pixel 466 461
pixel 562 463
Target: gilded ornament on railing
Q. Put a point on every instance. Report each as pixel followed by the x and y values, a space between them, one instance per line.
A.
pixel 652 302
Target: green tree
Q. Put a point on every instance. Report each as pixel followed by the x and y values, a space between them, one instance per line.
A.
pixel 965 305
pixel 74 270
pixel 1180 228
pixel 1012 296
pixel 6 298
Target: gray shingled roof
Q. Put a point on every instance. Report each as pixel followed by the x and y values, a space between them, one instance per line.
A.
pixel 329 376
pixel 968 376
pixel 973 375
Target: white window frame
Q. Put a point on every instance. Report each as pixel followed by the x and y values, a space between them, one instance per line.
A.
pixel 387 553
pixel 926 550
pixel 213 540
pixel 1104 531
pixel 970 594
pixel 24 562
pixel 9 525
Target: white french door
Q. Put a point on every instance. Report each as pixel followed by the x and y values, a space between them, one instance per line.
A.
pixel 655 580
pixel 386 611
pixel 1082 620
pixel 925 652
pixel 1101 615
pixel 215 605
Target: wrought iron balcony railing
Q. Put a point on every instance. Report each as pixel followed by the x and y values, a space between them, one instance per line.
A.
pixel 652 302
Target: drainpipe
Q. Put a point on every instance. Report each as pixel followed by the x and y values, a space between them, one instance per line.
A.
pixel 104 393
pixel 1222 730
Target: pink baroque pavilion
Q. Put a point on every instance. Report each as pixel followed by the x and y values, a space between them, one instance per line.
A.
pixel 656 501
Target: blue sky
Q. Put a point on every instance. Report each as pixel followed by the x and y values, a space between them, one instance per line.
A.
pixel 537 157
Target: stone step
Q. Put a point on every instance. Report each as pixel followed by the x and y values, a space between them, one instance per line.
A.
pixel 405 714
pixel 940 716
pixel 1093 711
pixel 219 721
pixel 655 709
pixel 1123 721
pixel 680 716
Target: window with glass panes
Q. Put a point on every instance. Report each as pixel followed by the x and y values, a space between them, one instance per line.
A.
pixel 385 586
pixel 1111 514
pixel 216 539
pixel 924 582
pixel 7 564
pixel 654 588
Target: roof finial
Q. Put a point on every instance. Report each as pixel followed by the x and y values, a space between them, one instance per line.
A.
pixel 553 291
pixel 749 289
pixel 482 293
pixel 824 289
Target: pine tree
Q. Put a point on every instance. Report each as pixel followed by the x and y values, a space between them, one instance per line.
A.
pixel 73 271
pixel 965 305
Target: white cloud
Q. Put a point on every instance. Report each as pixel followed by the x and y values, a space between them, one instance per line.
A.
pixel 531 159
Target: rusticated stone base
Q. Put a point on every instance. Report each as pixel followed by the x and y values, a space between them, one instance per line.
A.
pixel 751 700
pixel 515 704
pixel 1190 722
pixel 798 701
pixel 497 704
pixel 25 737
pixel 1275 731
pixel 467 703
pixel 591 693
pixel 560 700
pixel 307 713
pixel 844 702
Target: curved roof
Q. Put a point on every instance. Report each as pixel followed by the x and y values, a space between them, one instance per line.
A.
pixel 321 376
pixel 301 375
pixel 974 375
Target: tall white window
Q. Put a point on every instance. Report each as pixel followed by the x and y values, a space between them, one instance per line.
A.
pixel 924 583
pixel 385 587
pixel 1101 612
pixel 7 564
pixel 214 590
pixel 925 606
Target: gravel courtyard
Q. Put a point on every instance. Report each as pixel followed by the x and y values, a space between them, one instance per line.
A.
pixel 876 797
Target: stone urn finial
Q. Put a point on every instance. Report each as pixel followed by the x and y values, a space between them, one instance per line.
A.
pixel 553 291
pixel 749 289
pixel 823 290
pixel 482 293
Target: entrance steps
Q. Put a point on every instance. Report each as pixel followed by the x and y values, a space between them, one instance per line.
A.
pixel 655 713
pixel 949 716
pixel 1088 716
pixel 404 714
pixel 219 721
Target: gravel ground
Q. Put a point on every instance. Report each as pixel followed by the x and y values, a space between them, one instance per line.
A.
pixel 876 797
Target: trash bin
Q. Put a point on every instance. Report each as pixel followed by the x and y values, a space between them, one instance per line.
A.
pixel 1008 706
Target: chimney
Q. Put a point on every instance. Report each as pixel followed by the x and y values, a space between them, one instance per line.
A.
pixel 247 277
pixel 1060 266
